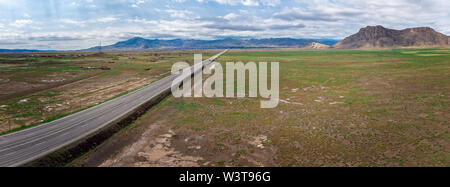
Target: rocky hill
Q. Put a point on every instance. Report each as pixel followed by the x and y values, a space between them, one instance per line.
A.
pixel 380 37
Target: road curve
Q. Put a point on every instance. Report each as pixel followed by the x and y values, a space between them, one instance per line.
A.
pixel 25 146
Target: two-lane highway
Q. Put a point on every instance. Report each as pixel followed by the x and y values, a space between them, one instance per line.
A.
pixel 25 146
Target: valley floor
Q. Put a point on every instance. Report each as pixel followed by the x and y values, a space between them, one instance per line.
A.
pixel 41 87
pixel 337 108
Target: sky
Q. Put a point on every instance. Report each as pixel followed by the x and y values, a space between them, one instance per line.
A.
pixel 80 24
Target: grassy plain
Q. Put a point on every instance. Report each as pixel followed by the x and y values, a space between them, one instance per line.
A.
pixel 337 108
pixel 40 87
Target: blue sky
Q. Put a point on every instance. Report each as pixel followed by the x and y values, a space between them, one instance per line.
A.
pixel 79 24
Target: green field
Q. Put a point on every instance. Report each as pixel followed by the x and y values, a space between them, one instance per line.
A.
pixel 339 108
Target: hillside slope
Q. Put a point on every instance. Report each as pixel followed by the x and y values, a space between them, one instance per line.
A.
pixel 380 37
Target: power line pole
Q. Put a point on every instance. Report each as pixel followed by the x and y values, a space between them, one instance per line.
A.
pixel 100 47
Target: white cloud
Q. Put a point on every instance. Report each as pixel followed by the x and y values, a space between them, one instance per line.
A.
pixel 250 2
pixel 137 3
pixel 270 2
pixel 21 23
pixel 246 2
pixel 230 16
pixel 116 20
pixel 73 22
pixel 75 4
pixel 106 19
pixel 142 21
pixel 86 23
pixel 178 13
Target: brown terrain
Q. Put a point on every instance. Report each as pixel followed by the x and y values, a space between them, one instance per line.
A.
pixel 380 37
pixel 37 88
pixel 337 108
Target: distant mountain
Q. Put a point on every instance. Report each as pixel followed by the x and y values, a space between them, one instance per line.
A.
pixel 380 37
pixel 227 43
pixel 316 45
pixel 18 50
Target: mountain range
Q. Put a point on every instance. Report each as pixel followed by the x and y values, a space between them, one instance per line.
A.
pixel 19 50
pixel 139 43
pixel 367 38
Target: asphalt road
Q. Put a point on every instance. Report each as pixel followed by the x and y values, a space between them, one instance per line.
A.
pixel 25 146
